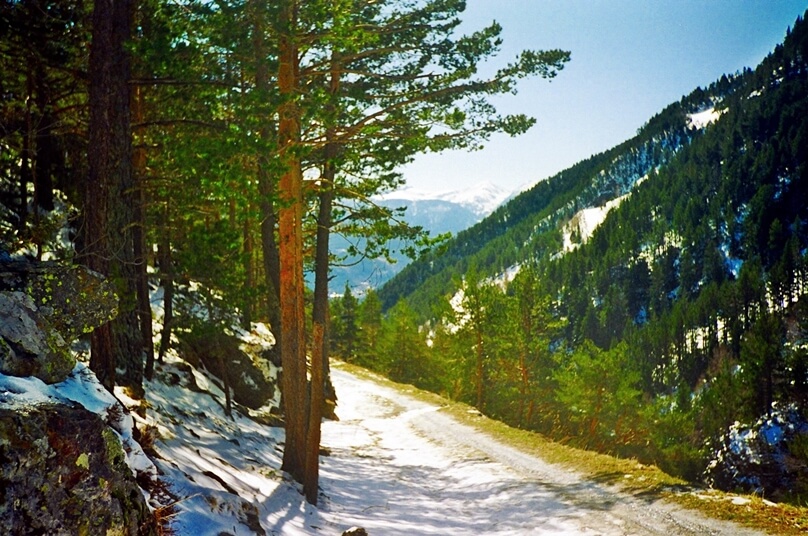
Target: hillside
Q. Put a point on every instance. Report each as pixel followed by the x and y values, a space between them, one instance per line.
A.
pixel 527 227
pixel 650 300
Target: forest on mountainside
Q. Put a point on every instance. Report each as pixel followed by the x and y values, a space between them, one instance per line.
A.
pixel 524 228
pixel 672 331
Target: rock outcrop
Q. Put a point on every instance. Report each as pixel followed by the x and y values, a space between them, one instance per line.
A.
pixel 221 354
pixel 769 457
pixel 63 472
pixel 63 469
pixel 43 308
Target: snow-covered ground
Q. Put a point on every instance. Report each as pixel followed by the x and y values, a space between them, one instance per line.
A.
pixel 397 466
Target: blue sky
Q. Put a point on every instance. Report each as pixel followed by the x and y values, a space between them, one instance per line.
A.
pixel 630 59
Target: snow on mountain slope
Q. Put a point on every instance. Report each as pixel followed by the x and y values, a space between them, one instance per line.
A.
pixel 581 226
pixel 449 211
pixel 702 119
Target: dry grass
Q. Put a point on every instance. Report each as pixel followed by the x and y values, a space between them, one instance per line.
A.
pixel 627 475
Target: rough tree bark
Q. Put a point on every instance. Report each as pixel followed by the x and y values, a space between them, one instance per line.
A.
pixel 107 212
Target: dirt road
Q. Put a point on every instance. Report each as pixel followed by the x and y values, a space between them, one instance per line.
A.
pixel 400 466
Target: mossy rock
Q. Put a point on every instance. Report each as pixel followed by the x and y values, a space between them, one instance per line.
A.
pixel 43 308
pixel 31 345
pixel 62 471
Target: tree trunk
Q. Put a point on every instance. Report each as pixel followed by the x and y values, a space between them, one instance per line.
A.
pixel 523 386
pixel 26 174
pixel 228 401
pixel 107 213
pixel 320 308
pixel 319 355
pixel 524 373
pixel 311 476
pixel 139 234
pixel 320 380
pixel 479 350
pixel 249 281
pixel 266 186
pixel 167 282
pixel 47 151
pixel 271 256
pixel 290 246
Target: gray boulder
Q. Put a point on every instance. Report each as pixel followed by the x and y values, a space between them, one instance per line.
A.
pixel 43 308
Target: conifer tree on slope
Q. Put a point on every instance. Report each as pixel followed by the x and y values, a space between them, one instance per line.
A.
pixel 107 212
pixel 437 87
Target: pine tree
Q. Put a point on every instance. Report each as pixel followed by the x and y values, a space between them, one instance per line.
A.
pixel 349 328
pixel 107 212
pixel 370 323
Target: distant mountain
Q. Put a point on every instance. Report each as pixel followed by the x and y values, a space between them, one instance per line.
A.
pixel 481 199
pixel 438 212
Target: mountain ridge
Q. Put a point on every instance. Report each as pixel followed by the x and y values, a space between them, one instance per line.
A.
pixel 664 330
pixel 481 198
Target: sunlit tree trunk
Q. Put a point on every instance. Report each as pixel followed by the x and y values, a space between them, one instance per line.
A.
pixel 290 247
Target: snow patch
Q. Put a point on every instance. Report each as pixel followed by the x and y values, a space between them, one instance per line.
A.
pixel 700 120
pixel 757 457
pixel 81 387
pixel 583 224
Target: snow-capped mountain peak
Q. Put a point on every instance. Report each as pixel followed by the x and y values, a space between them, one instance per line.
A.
pixel 481 198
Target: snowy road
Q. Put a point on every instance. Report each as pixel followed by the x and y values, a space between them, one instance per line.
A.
pixel 402 467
